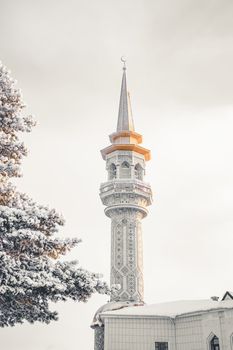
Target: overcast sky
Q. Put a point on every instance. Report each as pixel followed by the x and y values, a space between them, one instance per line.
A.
pixel 65 55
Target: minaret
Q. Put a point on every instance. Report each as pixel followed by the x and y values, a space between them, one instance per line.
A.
pixel 126 197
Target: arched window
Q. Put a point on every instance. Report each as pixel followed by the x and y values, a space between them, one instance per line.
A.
pixel 214 344
pixel 138 172
pixel 125 171
pixel 112 172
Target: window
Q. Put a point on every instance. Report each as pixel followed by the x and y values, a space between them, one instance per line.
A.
pixel 125 170
pixel 112 172
pixel 214 344
pixel 161 346
pixel 138 171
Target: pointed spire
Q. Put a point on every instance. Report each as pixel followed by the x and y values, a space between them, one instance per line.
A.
pixel 125 138
pixel 125 118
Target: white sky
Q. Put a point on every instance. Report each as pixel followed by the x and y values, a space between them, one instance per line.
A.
pixel 66 57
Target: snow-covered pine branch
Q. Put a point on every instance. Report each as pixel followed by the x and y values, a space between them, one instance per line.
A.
pixel 31 274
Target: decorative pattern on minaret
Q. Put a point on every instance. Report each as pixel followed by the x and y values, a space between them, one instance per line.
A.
pixel 126 197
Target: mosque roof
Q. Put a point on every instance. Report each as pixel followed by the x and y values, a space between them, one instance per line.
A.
pixel 228 295
pixel 172 309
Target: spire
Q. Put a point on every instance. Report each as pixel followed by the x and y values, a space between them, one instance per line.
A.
pixel 125 138
pixel 125 118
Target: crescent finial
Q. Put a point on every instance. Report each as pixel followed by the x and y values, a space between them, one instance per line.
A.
pixel 123 59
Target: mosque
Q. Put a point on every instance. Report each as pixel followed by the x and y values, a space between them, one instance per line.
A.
pixel 126 322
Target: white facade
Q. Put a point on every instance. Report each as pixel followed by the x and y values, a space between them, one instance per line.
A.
pixel 140 328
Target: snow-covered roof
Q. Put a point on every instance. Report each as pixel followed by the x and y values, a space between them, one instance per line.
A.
pixel 109 307
pixel 171 309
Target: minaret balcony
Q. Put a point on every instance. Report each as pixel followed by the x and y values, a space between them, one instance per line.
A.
pixel 127 192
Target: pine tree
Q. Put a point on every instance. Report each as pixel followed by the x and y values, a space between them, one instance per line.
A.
pixel 31 274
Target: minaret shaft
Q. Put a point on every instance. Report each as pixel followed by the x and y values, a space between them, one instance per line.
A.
pixel 126 255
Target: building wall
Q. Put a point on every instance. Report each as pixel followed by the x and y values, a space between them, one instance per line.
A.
pixel 221 324
pixel 196 332
pixel 137 333
pixel 185 333
pixel 189 334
